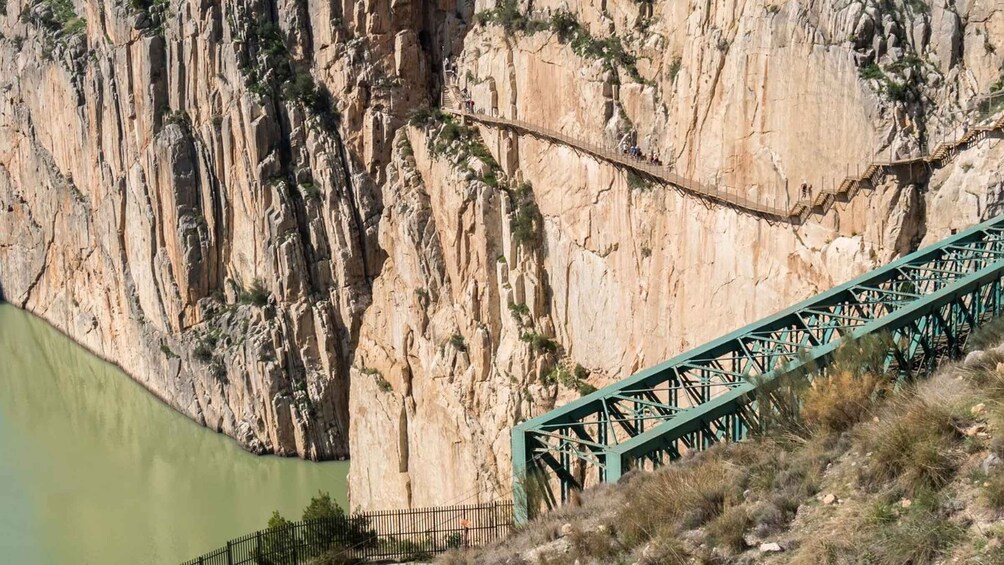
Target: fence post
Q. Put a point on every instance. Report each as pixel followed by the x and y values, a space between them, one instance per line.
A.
pixel 230 555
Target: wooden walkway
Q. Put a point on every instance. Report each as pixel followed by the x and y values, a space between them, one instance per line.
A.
pixel 798 213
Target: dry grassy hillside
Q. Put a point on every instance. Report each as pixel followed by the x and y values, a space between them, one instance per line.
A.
pixel 865 472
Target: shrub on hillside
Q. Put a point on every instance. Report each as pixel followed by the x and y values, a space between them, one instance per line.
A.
pixel 837 401
pixel 680 497
pixel 729 528
pixel 913 444
pixel 919 534
pixel 987 373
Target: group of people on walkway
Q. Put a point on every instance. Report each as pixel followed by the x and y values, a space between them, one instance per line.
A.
pixel 467 103
pixel 635 152
pixel 806 190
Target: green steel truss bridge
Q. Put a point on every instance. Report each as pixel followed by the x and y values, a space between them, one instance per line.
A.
pixel 926 302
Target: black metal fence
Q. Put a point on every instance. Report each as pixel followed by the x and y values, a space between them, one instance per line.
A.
pixel 373 536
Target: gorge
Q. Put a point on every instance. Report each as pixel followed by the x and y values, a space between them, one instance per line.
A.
pixel 249 207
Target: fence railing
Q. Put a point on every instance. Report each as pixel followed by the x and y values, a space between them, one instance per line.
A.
pixel 412 534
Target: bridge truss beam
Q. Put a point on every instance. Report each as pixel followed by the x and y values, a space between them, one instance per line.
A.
pixel 926 303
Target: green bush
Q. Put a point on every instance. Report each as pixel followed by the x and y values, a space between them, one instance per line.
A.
pixel 279 542
pixel 481 152
pixel 458 343
pixel 565 25
pixel 871 71
pixel 310 190
pixel 490 179
pixel 526 222
pixel 637 182
pixel 328 522
pixel 519 310
pixel 427 116
pixel 256 295
pixel 326 532
pixel 539 343
pixel 572 379
pixel 506 14
pixel 156 11
pixel 203 352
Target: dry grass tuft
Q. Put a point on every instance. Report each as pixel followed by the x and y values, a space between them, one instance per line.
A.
pixel 888 534
pixel 682 496
pixel 729 528
pixel 840 400
pixel 590 545
pixel 913 444
pixel 987 374
pixel 918 535
pixel 664 551
pixel 994 491
pixel 986 336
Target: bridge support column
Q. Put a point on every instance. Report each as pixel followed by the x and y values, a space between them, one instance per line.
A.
pixel 615 467
pixel 520 475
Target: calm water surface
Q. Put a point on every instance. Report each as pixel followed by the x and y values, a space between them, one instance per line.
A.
pixel 94 469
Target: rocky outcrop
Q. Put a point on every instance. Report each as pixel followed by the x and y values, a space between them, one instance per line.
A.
pixel 229 201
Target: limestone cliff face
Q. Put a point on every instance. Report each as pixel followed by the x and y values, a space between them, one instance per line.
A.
pixel 180 196
pixel 756 96
pixel 229 200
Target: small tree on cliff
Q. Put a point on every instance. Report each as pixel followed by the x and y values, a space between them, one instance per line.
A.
pixel 280 542
pixel 328 523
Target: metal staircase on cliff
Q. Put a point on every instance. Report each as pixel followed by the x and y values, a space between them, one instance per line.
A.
pixel 926 303
pixel 819 203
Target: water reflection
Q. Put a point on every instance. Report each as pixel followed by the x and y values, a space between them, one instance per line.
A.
pixel 94 469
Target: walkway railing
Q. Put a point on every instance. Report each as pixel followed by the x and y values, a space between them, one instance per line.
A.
pixel 819 203
pixel 408 535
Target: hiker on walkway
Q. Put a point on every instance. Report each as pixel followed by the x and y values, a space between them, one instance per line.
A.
pixel 625 143
pixel 465 540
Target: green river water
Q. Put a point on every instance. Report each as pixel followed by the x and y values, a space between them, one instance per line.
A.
pixel 94 469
